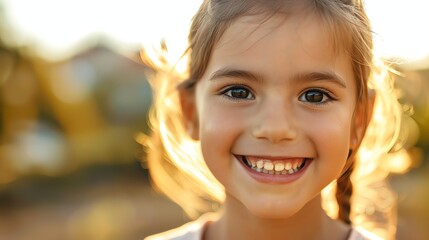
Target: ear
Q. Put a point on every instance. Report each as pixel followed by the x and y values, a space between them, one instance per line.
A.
pixel 189 112
pixel 361 119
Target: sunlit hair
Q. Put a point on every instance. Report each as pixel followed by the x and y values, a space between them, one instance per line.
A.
pixel 360 196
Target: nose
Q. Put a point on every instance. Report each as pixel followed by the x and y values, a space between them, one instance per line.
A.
pixel 275 124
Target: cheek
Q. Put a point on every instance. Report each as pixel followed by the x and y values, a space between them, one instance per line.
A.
pixel 331 133
pixel 218 131
pixel 218 124
pixel 331 140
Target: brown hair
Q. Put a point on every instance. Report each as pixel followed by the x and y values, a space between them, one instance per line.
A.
pixel 180 161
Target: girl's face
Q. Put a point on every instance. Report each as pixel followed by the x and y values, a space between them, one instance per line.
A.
pixel 274 112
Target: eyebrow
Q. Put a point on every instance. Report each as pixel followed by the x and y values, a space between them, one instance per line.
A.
pixel 300 77
pixel 235 73
pixel 320 76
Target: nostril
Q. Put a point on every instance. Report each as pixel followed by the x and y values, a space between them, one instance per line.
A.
pixel 275 134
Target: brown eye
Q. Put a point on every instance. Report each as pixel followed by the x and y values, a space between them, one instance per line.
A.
pixel 315 96
pixel 238 93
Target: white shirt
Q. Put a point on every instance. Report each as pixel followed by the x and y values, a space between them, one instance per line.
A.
pixel 194 231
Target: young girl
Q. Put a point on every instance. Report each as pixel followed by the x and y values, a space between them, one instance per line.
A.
pixel 274 121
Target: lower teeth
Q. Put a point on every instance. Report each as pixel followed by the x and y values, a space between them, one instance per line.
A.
pixel 284 172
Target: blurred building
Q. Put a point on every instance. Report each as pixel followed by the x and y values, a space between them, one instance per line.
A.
pixel 62 116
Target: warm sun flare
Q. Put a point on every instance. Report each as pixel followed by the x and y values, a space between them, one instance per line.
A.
pixel 58 28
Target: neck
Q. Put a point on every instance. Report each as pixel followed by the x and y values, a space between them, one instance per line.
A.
pixel 311 222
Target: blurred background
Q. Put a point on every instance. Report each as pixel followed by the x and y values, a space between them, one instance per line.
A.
pixel 74 97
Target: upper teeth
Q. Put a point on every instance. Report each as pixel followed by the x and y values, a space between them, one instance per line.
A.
pixel 275 167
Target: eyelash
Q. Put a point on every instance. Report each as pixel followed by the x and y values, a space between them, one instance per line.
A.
pixel 326 95
pixel 227 92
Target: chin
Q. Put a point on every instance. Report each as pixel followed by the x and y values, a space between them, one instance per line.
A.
pixel 273 210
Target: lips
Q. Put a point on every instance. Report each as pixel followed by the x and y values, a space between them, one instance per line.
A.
pixel 280 170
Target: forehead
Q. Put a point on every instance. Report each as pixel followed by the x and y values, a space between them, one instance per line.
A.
pixel 281 44
pixel 307 22
pixel 306 29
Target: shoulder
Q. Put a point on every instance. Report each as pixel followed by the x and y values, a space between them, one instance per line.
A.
pixel 362 234
pixel 190 231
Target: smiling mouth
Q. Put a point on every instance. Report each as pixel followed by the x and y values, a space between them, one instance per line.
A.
pixel 274 167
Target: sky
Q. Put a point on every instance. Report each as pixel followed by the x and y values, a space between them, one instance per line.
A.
pixel 58 28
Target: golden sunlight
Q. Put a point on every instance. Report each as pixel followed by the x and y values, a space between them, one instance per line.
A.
pixel 57 29
pixel 400 162
pixel 399 28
